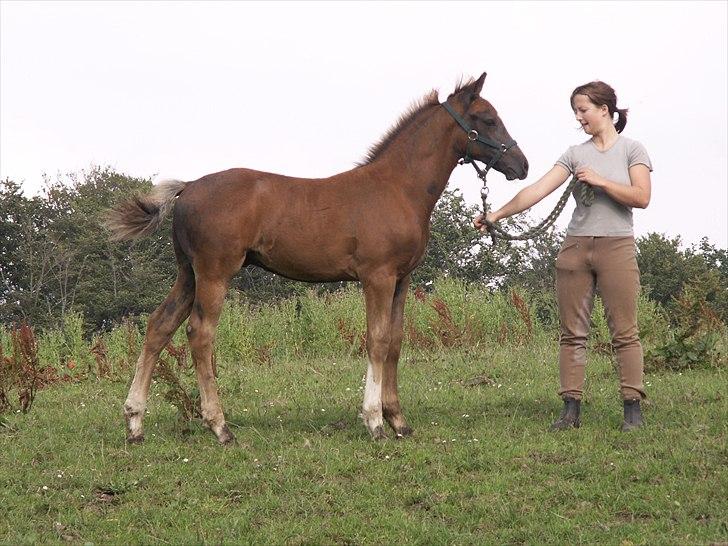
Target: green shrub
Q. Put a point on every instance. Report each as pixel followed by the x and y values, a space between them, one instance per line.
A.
pixel 65 349
pixel 698 339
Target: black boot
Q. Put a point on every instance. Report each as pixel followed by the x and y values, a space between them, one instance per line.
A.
pixel 569 415
pixel 632 415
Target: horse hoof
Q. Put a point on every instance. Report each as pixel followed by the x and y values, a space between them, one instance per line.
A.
pixel 135 439
pixel 378 433
pixel 404 431
pixel 225 437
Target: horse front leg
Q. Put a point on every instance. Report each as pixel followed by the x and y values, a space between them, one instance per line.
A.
pixel 378 294
pixel 390 394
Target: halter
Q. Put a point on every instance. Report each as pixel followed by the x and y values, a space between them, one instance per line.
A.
pixel 473 136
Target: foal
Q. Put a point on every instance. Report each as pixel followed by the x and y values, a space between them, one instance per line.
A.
pixel 369 224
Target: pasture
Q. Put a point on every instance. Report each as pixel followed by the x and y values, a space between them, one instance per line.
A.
pixel 477 380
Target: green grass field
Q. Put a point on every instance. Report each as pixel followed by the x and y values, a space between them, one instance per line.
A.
pixel 481 467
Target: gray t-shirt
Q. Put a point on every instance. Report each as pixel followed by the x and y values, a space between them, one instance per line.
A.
pixel 605 217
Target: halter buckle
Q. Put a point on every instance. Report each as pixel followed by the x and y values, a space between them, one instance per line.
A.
pixel 472 135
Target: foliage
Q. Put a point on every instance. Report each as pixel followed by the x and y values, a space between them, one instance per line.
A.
pixel 696 340
pixel 456 250
pixel 173 371
pixel 66 263
pixel 665 269
pixel 20 371
pixel 453 315
pixel 454 247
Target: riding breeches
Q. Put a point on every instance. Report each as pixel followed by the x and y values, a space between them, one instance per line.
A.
pixel 607 265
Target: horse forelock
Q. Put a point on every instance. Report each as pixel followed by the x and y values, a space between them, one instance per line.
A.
pixel 429 99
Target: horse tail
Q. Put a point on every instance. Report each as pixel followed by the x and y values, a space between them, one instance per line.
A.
pixel 143 214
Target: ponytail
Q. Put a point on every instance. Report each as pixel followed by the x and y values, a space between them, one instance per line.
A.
pixel 621 119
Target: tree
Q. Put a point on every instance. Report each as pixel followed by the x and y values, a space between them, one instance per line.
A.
pixel 666 270
pixel 26 255
pixel 456 249
pixel 57 257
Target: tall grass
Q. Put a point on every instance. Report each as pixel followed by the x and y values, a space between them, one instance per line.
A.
pixel 454 315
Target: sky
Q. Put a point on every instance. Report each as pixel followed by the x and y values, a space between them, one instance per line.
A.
pixel 182 89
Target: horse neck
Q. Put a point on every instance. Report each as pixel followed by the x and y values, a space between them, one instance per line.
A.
pixel 423 157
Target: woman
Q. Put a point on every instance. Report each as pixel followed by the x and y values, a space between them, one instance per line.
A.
pixel 598 252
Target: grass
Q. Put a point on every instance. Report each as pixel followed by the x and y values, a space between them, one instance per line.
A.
pixel 480 469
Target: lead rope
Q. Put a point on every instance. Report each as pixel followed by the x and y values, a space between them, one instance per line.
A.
pixel 586 193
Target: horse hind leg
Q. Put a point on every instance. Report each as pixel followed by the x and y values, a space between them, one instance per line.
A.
pixel 390 395
pixel 209 298
pixel 162 325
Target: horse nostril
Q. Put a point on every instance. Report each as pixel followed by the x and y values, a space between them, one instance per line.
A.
pixel 525 165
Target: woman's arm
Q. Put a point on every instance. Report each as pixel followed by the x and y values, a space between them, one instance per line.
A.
pixel 527 197
pixel 637 194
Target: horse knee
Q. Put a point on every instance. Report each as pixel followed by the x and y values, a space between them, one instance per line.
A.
pixel 378 344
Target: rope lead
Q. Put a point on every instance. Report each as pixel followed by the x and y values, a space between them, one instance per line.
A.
pixel 586 193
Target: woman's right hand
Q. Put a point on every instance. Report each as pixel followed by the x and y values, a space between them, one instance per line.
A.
pixel 481 221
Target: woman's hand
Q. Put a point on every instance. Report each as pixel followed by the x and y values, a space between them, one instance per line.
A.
pixel 481 221
pixel 589 176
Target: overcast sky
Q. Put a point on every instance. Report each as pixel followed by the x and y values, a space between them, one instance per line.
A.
pixel 182 89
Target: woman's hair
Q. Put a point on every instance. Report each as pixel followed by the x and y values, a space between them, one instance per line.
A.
pixel 602 94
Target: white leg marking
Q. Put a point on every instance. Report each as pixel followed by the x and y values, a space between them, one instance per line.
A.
pixel 372 408
pixel 134 413
pixel 136 401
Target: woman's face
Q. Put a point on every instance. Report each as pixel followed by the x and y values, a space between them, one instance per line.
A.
pixel 589 115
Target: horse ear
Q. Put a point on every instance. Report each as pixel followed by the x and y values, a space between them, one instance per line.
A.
pixel 472 90
pixel 478 85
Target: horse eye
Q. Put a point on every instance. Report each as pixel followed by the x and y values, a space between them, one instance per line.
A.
pixel 488 121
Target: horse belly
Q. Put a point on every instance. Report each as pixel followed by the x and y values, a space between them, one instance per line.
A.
pixel 308 260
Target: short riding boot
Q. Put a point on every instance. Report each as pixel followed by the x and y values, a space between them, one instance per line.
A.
pixel 569 415
pixel 632 415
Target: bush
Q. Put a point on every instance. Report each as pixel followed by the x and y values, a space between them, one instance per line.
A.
pixel 698 339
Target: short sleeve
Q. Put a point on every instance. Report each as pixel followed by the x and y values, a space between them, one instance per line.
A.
pixel 567 160
pixel 638 155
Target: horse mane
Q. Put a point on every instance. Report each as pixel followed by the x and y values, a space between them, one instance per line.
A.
pixel 430 99
pixel 462 84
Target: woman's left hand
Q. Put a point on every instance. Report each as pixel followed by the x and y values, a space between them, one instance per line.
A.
pixel 589 176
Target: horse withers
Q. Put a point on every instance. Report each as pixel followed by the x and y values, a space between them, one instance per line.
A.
pixel 370 224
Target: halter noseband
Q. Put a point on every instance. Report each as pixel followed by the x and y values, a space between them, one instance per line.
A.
pixel 473 136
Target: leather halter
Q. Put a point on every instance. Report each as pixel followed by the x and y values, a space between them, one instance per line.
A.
pixel 473 136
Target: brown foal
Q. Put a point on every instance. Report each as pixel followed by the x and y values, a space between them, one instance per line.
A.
pixel 370 224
